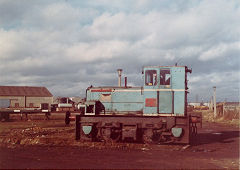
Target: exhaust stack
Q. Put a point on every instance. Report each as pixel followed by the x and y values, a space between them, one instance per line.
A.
pixel 125 82
pixel 119 76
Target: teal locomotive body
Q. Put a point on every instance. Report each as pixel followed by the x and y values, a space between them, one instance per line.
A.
pixel 153 113
pixel 164 93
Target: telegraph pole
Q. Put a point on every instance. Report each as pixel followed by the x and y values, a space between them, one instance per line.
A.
pixel 214 102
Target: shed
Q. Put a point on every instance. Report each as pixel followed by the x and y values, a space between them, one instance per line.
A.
pixel 25 96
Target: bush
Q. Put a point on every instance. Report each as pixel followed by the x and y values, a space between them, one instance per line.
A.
pixel 231 114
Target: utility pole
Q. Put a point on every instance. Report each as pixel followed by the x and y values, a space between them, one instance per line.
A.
pixel 214 102
pixel 211 104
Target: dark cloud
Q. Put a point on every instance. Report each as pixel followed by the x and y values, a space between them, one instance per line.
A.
pixel 70 45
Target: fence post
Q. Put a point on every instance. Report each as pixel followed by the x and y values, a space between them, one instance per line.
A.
pixel 77 128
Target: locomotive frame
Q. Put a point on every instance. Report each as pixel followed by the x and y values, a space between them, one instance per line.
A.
pixel 154 113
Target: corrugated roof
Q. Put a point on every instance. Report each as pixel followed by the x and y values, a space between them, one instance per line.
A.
pixel 24 91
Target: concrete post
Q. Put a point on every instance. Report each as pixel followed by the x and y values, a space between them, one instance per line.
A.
pixel 211 104
pixel 214 102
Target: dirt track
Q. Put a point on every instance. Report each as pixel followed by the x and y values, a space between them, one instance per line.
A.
pixel 49 144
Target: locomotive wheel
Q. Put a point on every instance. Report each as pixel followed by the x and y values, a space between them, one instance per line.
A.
pixel 148 136
pixel 110 134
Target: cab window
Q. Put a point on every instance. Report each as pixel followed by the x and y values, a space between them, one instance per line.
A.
pixel 151 77
pixel 165 77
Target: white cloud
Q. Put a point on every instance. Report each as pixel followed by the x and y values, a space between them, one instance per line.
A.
pixel 87 52
pixel 214 52
pixel 219 51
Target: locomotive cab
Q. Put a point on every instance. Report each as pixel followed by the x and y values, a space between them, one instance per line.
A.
pixel 165 91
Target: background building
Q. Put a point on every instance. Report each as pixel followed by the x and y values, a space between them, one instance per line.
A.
pixel 25 96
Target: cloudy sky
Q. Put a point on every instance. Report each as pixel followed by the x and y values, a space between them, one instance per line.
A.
pixel 68 45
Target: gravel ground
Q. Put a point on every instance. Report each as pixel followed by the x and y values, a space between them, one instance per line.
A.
pixel 50 144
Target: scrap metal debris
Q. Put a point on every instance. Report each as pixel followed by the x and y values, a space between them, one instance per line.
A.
pixel 185 147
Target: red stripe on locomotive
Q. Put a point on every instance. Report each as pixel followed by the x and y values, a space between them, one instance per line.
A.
pixel 101 90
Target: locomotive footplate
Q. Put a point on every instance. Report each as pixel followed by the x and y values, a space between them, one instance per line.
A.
pixel 147 129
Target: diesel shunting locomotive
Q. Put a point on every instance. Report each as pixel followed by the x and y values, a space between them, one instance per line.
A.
pixel 153 113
